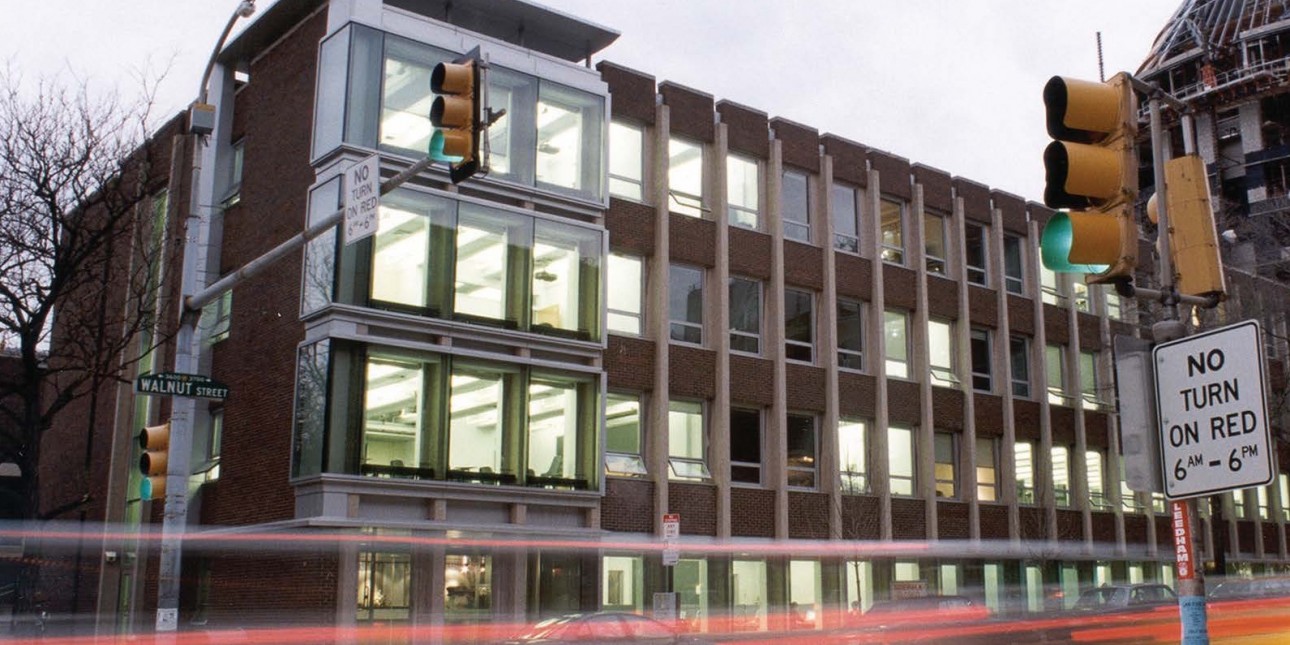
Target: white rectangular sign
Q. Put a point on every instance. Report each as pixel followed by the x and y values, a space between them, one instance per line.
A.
pixel 362 198
pixel 1214 434
pixel 671 526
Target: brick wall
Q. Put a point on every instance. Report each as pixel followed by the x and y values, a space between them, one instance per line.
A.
pixel 752 512
pixel 952 521
pixel 628 505
pixel 907 519
pixel 808 515
pixel 258 357
pixel 697 504
pixel 860 517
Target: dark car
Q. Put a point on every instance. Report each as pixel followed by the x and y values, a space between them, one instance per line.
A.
pixel 1125 597
pixel 603 627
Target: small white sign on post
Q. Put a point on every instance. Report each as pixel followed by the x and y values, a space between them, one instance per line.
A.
pixel 671 533
pixel 671 526
pixel 362 198
pixel 1214 434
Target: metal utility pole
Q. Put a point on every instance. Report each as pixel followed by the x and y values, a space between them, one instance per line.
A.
pixel 1191 578
pixel 187 349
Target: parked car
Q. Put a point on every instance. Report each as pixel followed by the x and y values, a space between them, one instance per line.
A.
pixel 603 627
pixel 1124 597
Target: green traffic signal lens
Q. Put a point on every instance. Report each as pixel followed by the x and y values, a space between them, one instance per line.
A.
pixel 145 489
pixel 436 149
pixel 1055 247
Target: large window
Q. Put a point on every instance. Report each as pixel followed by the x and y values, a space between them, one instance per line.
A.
pixel 626 160
pixel 569 124
pixel 1055 376
pixel 687 440
pixel 623 445
pixel 1023 455
pixel 1014 272
pixel 745 446
pixel 795 206
pixel 479 444
pixel 1019 359
pixel 982 380
pixel 940 353
pixel 802 457
pixel 1088 381
pixel 622 583
pixel 1094 464
pixel 987 472
pixel 745 315
pixel 511 269
pixel 845 210
pixel 431 416
pixel 934 242
pixel 1051 286
pixel 853 455
pixel 976 243
pixel 850 335
pixel 743 184
pixel 685 304
pixel 550 137
pixel 900 460
pixel 895 331
pixel 625 277
pixel 685 177
pixel 553 430
pixel 1061 456
pixel 487 245
pixel 945 468
pixel 394 437
pixel 799 325
pixel 1082 300
pixel 891 223
pixel 1283 486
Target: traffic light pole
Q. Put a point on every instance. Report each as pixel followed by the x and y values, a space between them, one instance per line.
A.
pixel 1191 578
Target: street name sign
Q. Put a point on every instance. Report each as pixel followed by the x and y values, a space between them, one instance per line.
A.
pixel 362 198
pixel 1214 434
pixel 177 384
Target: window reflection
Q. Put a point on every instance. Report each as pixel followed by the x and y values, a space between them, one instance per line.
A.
pixel 410 239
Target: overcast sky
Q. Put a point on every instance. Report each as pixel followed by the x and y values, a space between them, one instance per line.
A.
pixel 954 84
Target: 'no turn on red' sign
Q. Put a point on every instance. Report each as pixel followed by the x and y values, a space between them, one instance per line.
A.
pixel 1214 434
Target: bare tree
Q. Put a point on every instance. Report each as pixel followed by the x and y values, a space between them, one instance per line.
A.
pixel 79 255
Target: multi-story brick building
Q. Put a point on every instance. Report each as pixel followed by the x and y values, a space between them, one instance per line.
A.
pixel 826 359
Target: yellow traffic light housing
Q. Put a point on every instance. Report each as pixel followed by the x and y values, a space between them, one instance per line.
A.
pixel 1193 239
pixel 455 114
pixel 1091 168
pixel 155 443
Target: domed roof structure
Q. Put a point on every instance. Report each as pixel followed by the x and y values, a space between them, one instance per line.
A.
pixel 1214 50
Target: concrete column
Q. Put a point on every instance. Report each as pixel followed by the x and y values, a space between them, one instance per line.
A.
pixel 826 333
pixel 719 309
pixel 963 357
pixel 656 439
pixel 876 348
pixel 776 440
pixel 920 366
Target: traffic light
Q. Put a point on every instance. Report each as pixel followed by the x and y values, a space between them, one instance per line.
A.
pixel 1193 240
pixel 155 443
pixel 1091 169
pixel 455 114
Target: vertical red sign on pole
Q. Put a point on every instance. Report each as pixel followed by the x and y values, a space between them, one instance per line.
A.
pixel 1182 542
